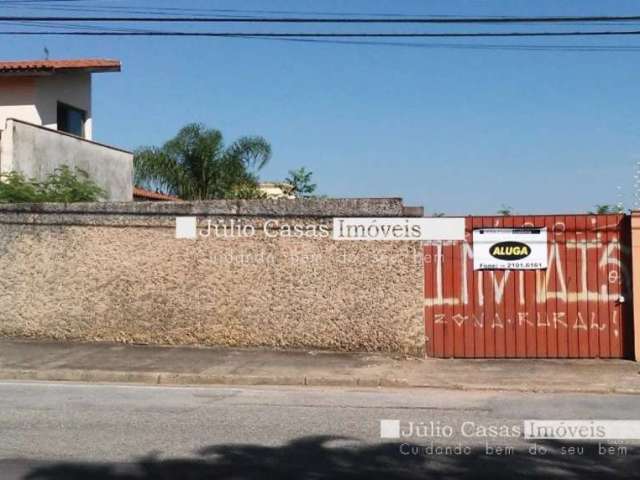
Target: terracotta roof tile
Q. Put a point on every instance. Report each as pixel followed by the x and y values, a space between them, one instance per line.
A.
pixel 149 195
pixel 52 66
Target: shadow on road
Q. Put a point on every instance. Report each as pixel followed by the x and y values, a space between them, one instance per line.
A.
pixel 319 458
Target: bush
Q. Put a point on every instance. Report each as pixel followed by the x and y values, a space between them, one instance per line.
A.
pixel 245 191
pixel 63 185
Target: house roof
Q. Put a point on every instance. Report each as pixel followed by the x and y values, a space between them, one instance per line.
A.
pixel 149 195
pixel 284 186
pixel 49 67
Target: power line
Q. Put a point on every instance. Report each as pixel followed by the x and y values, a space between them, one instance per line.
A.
pixel 463 46
pixel 27 2
pixel 78 26
pixel 137 10
pixel 60 6
pixel 329 34
pixel 423 20
pixel 201 11
pixel 466 46
pixel 383 43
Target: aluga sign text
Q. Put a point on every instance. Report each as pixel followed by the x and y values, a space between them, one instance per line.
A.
pixel 510 249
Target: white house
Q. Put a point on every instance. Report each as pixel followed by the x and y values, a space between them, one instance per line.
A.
pixel 276 189
pixel 46 121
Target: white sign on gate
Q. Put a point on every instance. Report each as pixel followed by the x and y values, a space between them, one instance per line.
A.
pixel 510 249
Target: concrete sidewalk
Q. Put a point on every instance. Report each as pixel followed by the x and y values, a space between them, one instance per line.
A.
pixel 107 362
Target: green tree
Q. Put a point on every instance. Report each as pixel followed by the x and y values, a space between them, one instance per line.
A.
pixel 246 191
pixel 197 165
pixel 300 180
pixel 63 185
pixel 505 210
pixel 607 208
pixel 15 188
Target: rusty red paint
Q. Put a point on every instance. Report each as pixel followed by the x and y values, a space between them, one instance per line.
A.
pixel 573 309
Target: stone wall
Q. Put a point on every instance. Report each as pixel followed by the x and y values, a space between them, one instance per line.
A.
pixel 115 271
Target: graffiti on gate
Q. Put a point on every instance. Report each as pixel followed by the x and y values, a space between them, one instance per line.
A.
pixel 613 271
pixel 576 307
pixel 539 319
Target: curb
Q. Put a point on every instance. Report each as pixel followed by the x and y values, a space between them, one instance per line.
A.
pixel 168 378
pixel 529 388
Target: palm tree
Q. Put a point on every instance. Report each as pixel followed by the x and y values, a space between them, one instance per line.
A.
pixel 601 209
pixel 196 164
pixel 606 208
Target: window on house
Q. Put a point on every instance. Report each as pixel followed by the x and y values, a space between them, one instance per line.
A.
pixel 71 119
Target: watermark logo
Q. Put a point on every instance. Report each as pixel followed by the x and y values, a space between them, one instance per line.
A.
pixel 389 428
pixel 342 228
pixel 528 429
pixel 582 429
pixel 571 438
pixel 187 227
pixel 398 228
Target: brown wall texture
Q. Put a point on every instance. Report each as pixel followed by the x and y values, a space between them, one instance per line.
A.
pixel 114 271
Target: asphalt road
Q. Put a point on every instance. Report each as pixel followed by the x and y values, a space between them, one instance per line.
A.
pixel 114 432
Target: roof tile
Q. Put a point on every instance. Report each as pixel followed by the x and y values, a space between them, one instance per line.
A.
pixel 148 194
pixel 51 66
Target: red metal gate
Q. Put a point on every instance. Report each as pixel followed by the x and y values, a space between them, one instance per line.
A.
pixel 579 307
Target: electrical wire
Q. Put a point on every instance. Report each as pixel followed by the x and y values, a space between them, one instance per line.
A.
pixel 474 20
pixel 333 34
pixel 79 28
pixel 468 46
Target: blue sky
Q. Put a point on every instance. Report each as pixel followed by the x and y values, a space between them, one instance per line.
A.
pixel 455 130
